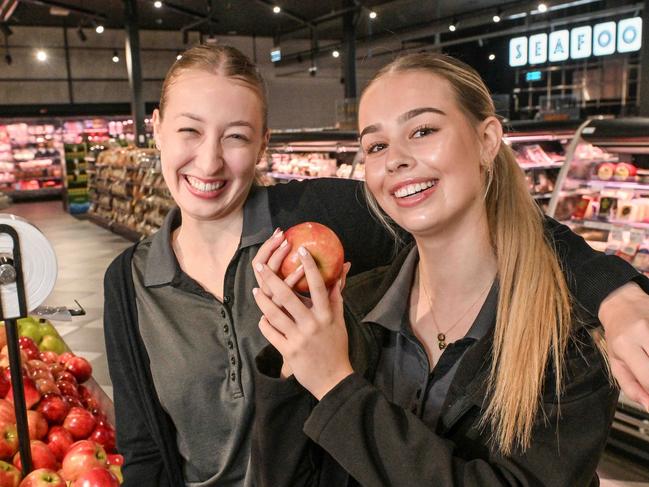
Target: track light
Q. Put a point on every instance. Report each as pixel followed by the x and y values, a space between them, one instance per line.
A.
pixel 276 9
pixel 115 57
pixel 81 34
pixel 157 4
pixel 99 29
pixel 492 56
pixel 497 18
pixel 542 7
pixel 179 57
pixel 453 26
pixel 41 55
pixel 373 15
pixel 335 53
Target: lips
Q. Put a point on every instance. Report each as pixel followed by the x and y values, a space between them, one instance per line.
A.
pixel 205 188
pixel 412 187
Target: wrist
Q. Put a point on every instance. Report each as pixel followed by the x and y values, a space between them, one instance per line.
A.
pixel 615 301
pixel 332 382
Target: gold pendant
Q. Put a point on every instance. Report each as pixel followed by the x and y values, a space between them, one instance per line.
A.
pixel 441 341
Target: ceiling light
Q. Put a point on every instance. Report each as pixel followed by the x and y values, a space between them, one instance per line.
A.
pixel 453 25
pixel 542 8
pixel 99 29
pixel 41 55
pixel 81 34
pixel 276 9
pixel 372 15
pixel 157 4
pixel 335 53
pixel 492 56
pixel 179 57
pixel 496 18
pixel 115 57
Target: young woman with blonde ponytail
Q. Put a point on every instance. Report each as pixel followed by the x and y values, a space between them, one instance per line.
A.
pixel 466 361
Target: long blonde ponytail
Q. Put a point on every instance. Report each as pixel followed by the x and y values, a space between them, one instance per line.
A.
pixel 533 318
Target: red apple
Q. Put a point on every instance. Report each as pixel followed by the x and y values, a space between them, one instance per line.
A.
pixel 4 385
pixel 8 440
pixel 80 368
pixel 72 401
pixel 49 357
pixel 97 477
pixel 29 347
pixel 82 455
pixel 42 457
pixel 80 423
pixel 67 388
pixel 65 376
pixel 9 475
pixel 32 396
pixel 53 408
pixel 37 425
pixel 59 441
pixel 624 171
pixel 7 412
pixel 56 368
pixel 105 436
pixel 605 171
pixel 64 357
pixel 43 477
pixel 47 386
pixel 323 245
pixel 115 459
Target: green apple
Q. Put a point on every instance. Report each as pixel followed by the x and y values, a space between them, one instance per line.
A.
pixel 52 343
pixel 48 328
pixel 30 329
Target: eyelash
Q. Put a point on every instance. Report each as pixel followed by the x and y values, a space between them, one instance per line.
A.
pixel 371 147
pixel 188 129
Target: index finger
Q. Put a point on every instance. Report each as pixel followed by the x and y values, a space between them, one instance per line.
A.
pixel 317 289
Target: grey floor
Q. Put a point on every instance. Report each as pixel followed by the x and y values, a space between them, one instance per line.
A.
pixel 84 251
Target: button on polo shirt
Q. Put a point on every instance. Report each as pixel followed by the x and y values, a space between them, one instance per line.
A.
pixel 403 372
pixel 202 350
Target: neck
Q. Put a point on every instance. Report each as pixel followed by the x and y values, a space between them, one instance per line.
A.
pixel 204 237
pixel 458 261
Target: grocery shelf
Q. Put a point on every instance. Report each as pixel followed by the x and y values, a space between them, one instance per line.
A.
pixel 601 184
pixel 532 167
pixel 610 225
pixel 33 194
pixel 542 196
pixel 290 177
pixel 115 227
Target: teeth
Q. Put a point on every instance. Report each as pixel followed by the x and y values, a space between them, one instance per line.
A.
pixel 414 188
pixel 205 187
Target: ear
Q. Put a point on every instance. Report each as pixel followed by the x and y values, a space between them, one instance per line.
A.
pixel 491 135
pixel 156 120
pixel 264 144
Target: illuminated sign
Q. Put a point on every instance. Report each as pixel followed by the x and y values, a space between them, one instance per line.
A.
pixel 577 43
pixel 533 76
pixel 276 54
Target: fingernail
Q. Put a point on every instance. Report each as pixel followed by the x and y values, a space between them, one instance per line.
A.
pixel 302 251
pixel 276 231
pixel 284 244
pixel 255 290
pixel 279 234
pixel 259 266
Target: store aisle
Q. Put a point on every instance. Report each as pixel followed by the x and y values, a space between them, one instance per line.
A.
pixel 84 250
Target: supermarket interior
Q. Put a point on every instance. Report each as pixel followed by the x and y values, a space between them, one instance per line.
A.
pixel 78 160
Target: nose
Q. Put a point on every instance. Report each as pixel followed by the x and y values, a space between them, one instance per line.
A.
pixel 209 158
pixel 398 158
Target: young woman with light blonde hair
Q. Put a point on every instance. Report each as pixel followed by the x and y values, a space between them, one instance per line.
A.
pixel 465 362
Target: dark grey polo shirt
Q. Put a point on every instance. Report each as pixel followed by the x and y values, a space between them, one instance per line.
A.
pixel 403 372
pixel 202 350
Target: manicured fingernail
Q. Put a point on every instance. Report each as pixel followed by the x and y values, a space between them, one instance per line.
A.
pixel 279 235
pixel 255 290
pixel 284 244
pixel 259 267
pixel 277 230
pixel 302 251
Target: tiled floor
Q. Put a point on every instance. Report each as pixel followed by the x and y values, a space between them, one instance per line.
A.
pixel 85 250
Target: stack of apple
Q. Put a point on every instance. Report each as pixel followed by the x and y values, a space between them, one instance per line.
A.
pixel 71 441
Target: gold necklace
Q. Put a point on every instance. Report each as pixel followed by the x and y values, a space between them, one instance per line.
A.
pixel 441 336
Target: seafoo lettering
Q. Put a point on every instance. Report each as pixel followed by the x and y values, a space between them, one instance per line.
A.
pixel 578 43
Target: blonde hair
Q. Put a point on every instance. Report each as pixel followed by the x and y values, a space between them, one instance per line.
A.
pixel 533 320
pixel 224 60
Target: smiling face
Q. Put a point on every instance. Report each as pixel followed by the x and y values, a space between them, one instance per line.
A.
pixel 210 137
pixel 422 152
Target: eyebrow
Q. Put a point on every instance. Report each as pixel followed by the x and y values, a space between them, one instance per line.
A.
pixel 236 123
pixel 404 117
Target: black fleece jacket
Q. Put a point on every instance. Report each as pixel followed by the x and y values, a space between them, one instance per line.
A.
pixel 145 432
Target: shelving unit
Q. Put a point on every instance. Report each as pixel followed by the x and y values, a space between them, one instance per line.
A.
pixel 602 199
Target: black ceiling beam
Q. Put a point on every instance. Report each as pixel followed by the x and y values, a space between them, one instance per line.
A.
pixel 76 10
pixel 324 18
pixel 184 10
pixel 290 14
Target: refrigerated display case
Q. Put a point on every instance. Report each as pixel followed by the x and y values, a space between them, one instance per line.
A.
pixel 540 149
pixel 603 194
pixel 305 154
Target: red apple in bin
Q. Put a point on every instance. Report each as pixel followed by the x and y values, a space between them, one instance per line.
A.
pixel 66 376
pixel 49 357
pixel 47 386
pixel 97 477
pixel 67 388
pixel 82 455
pixel 42 456
pixel 53 408
pixel 8 440
pixel 323 245
pixel 80 368
pixel 7 412
pixel 80 423
pixel 59 441
pixel 32 396
pixel 43 477
pixel 37 425
pixel 30 348
pixel 105 436
pixel 65 356
pixel 4 386
pixel 9 475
